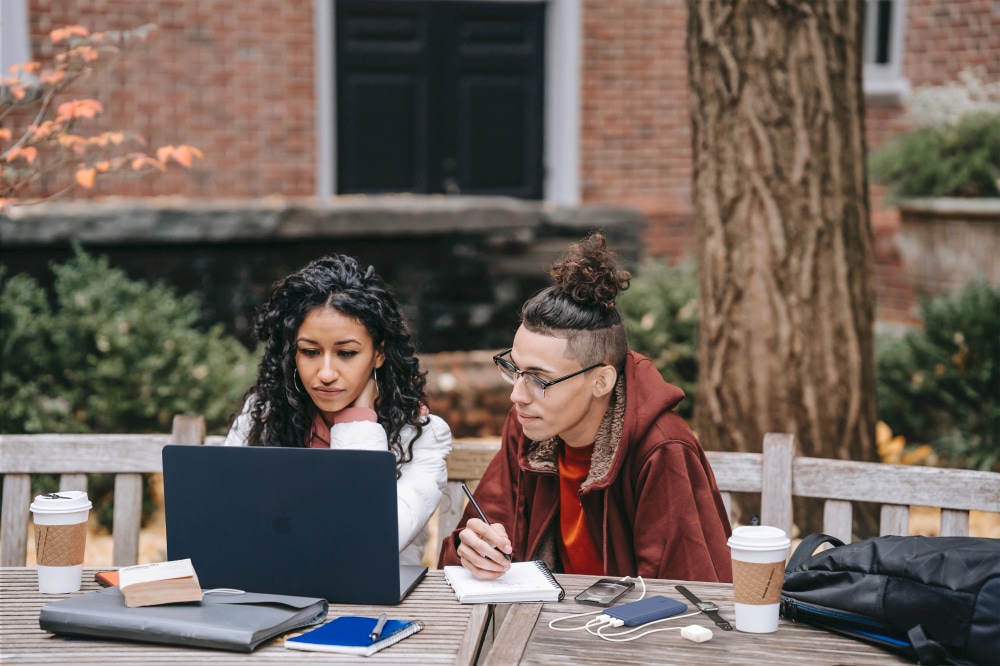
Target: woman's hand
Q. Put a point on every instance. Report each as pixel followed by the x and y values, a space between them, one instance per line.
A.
pixel 367 396
pixel 479 549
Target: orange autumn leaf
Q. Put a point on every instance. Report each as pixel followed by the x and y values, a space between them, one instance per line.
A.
pixel 85 177
pixel 27 152
pixel 52 77
pixel 88 53
pixel 79 108
pixel 60 34
pixel 182 154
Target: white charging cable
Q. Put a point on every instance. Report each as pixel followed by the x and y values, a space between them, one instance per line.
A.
pixel 597 620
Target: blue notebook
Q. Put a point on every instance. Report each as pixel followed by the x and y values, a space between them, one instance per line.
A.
pixel 349 635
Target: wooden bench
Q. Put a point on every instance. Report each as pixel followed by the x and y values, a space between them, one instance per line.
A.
pixel 72 457
pixel 896 488
pixel 778 475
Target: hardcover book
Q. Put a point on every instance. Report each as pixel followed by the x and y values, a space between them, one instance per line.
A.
pixel 159 583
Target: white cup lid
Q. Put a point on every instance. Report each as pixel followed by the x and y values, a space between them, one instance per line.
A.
pixel 65 501
pixel 759 537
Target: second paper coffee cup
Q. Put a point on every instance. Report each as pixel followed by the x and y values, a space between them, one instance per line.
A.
pixel 759 554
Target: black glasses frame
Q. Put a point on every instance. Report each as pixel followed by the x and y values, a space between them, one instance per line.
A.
pixel 503 363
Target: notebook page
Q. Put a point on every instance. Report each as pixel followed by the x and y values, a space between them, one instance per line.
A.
pixel 524 581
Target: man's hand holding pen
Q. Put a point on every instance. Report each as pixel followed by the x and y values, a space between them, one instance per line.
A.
pixel 485 549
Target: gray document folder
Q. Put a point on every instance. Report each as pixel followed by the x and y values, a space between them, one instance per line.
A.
pixel 237 622
pixel 309 522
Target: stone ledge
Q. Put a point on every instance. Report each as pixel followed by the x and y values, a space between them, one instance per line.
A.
pixel 982 208
pixel 183 220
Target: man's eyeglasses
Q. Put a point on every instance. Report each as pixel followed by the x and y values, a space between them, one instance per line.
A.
pixel 535 384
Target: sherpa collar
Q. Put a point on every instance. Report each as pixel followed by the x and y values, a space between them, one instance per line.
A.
pixel 544 456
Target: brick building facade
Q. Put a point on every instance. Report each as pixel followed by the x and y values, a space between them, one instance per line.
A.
pixel 244 81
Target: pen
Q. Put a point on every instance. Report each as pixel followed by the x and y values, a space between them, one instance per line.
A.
pixel 377 631
pixel 482 516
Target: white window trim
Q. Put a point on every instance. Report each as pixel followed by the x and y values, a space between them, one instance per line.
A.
pixel 561 160
pixel 15 46
pixel 886 81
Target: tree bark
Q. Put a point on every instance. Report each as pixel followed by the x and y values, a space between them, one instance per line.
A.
pixel 785 246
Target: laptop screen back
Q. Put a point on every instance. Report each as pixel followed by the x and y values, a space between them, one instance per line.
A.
pixel 307 522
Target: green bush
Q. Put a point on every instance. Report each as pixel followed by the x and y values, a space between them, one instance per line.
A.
pixel 661 315
pixel 941 385
pixel 960 159
pixel 112 355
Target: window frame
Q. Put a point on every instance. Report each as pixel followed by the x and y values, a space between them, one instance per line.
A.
pixel 885 81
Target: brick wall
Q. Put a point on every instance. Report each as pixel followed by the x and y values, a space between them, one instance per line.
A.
pixel 636 130
pixel 234 79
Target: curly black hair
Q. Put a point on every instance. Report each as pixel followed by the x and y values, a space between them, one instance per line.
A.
pixel 580 306
pixel 281 415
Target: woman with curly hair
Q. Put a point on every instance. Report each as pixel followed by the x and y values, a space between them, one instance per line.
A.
pixel 596 473
pixel 339 371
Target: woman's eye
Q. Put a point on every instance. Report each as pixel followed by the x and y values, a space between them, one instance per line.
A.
pixel 309 352
pixel 346 353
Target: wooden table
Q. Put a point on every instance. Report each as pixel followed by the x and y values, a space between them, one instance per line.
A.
pixel 451 634
pixel 525 636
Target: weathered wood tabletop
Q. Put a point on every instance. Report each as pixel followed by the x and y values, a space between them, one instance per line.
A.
pixel 525 636
pixel 451 632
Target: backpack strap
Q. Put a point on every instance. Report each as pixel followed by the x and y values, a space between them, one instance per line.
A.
pixel 807 546
pixel 930 652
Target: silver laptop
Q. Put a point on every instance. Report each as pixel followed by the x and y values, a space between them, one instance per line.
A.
pixel 307 522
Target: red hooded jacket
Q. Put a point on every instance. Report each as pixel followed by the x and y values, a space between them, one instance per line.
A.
pixel 650 501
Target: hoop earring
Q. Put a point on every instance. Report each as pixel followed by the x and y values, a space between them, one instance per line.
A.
pixel 375 375
pixel 297 381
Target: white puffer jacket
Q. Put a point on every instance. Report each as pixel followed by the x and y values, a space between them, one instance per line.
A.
pixel 422 480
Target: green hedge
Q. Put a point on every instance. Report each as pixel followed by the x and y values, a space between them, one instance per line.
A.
pixel 940 385
pixel 111 354
pixel 103 353
pixel 956 160
pixel 661 315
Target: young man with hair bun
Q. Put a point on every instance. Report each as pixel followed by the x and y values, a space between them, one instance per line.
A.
pixel 596 473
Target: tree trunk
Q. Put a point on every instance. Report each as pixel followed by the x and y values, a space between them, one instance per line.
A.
pixel 785 247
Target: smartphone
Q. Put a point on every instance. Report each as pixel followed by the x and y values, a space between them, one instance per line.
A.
pixel 605 592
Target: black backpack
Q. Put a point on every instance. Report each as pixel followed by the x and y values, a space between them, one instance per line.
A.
pixel 936 599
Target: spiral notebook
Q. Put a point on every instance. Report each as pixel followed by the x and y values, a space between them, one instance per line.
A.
pixel 350 635
pixel 525 581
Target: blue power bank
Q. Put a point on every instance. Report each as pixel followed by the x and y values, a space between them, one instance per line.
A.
pixel 646 610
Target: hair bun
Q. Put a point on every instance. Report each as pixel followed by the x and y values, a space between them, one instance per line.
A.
pixel 589 275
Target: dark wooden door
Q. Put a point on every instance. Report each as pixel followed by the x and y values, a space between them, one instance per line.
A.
pixel 440 97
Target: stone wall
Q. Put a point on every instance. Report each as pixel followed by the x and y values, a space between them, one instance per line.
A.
pixel 948 243
pixel 460 267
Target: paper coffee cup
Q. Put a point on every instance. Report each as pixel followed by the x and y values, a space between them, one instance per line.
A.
pixel 759 554
pixel 60 539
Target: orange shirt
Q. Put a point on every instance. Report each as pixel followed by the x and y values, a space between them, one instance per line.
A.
pixel 576 547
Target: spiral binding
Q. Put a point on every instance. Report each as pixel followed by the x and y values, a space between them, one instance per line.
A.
pixel 552 579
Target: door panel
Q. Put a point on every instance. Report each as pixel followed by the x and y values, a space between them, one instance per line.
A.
pixel 440 97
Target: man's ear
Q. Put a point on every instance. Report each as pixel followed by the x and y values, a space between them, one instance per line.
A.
pixel 605 381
